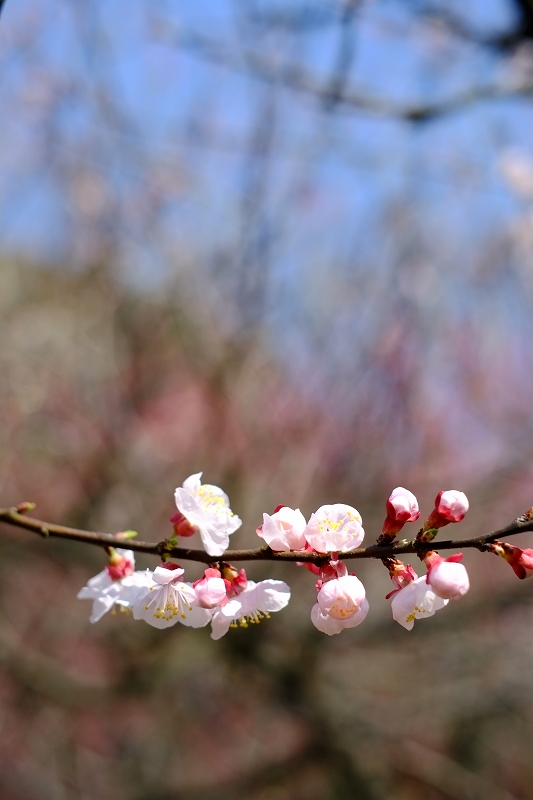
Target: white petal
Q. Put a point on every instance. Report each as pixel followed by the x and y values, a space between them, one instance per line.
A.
pixel 100 607
pixel 267 595
pixel 162 575
pixel 193 482
pixel 133 586
pixel 233 608
pixel 189 506
pixel 324 622
pixel 100 582
pixel 415 601
pixel 215 537
pixel 358 617
pixel 234 522
pixel 197 618
pixel 219 624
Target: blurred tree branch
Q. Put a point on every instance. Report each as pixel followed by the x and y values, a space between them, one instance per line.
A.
pixel 295 78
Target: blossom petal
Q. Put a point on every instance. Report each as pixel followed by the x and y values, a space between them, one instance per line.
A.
pixel 193 482
pixel 415 601
pixel 267 595
pixel 324 622
pixel 197 617
pixel 220 623
pixel 101 606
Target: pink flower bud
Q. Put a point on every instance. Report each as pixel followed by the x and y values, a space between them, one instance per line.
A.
pixel 211 589
pixel 401 575
pixel 236 582
pixel 342 597
pixel 182 526
pixel 520 560
pixel 446 576
pixel 450 506
pixel 284 530
pixel 332 570
pixel 402 507
pixel 120 566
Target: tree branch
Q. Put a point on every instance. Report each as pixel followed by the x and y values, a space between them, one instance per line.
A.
pixel 295 78
pixel 14 516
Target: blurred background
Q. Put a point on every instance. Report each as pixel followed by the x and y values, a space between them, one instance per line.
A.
pixel 289 243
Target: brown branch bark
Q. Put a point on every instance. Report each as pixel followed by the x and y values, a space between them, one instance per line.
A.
pixel 13 516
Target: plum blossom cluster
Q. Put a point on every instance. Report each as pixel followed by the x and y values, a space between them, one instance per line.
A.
pixel 225 598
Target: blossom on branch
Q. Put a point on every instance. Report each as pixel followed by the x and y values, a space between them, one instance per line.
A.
pixel 402 507
pixel 253 604
pixel 235 580
pixel 330 625
pixel 284 530
pixel 417 600
pixel 169 600
pixel 207 508
pixel 400 574
pixel 211 589
pixel 335 529
pixel 117 584
pixel 447 576
pixel 450 506
pixel 521 560
pixel 341 600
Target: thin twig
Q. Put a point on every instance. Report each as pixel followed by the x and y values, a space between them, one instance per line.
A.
pixel 12 516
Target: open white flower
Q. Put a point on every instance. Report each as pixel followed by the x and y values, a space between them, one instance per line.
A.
pixel 169 600
pixel 250 606
pixel 108 588
pixel 335 528
pixel 284 530
pixel 330 625
pixel 208 508
pixel 417 600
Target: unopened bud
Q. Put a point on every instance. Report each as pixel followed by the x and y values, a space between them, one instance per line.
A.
pixel 447 576
pixel 211 589
pixel 182 526
pixel 450 506
pixel 521 560
pixel 402 507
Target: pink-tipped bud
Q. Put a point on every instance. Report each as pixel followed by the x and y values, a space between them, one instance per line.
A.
pixel 182 526
pixel 450 506
pixel 447 577
pixel 400 574
pixel 402 507
pixel 236 582
pixel 119 566
pixel 211 590
pixel 333 570
pixel 520 560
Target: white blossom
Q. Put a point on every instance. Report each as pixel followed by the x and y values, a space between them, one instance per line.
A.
pixel 417 600
pixel 207 507
pixel 335 528
pixel 330 625
pixel 447 576
pixel 284 530
pixel 252 605
pixel 170 600
pixel 106 591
